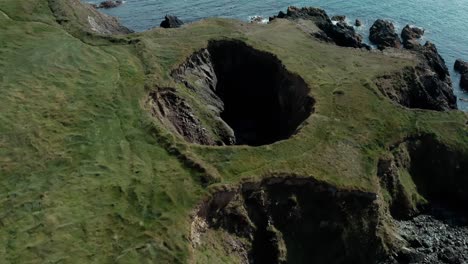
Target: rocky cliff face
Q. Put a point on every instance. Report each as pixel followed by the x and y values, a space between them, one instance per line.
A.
pixel 425 86
pixel 288 219
pixel 426 181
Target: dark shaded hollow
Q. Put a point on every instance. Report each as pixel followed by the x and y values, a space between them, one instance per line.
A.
pixel 294 220
pixel 263 102
pixel 439 172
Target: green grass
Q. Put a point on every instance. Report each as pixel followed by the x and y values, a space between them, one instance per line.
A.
pixel 87 176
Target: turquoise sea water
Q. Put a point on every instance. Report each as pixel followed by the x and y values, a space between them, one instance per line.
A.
pixel 444 20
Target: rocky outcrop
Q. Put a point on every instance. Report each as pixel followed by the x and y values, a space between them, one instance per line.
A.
pixel 177 115
pixel 171 22
pixel 410 36
pixel 462 68
pixel 89 20
pixel 358 23
pixel 341 33
pixel 383 34
pixel 109 4
pixel 266 105
pixel 289 219
pixel 338 18
pixel 425 86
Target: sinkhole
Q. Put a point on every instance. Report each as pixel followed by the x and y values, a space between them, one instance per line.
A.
pixel 258 100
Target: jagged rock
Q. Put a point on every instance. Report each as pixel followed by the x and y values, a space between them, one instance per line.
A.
pixel 461 66
pixel 410 36
pixel 171 22
pixel 338 18
pixel 345 35
pixel 341 33
pixel 425 86
pixel 382 33
pixel 109 4
pixel 464 81
pixel 358 23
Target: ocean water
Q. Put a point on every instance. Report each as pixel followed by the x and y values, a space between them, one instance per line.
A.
pixel 444 21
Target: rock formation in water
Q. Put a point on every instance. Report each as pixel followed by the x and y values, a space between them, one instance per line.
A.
pixel 109 4
pixel 410 36
pixel 462 67
pixel 383 34
pixel 171 22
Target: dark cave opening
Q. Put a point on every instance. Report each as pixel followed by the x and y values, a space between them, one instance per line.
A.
pixel 257 99
pixel 263 102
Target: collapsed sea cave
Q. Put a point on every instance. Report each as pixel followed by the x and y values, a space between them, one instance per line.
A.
pixel 254 99
pixel 427 183
pixel 289 219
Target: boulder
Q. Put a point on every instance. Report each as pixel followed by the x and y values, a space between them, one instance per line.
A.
pixel 171 22
pixel 410 36
pixel 461 66
pixel 109 4
pixel 464 81
pixel 338 18
pixel 382 33
pixel 358 23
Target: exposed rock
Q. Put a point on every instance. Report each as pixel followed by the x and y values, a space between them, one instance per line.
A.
pixel 410 36
pixel 341 33
pixel 382 33
pixel 92 20
pixel 257 20
pixel 176 114
pixel 464 81
pixel 286 217
pixel 444 239
pixel 358 23
pixel 266 105
pixel 461 66
pixel 425 86
pixel 110 4
pixel 338 18
pixel 171 22
pixel 433 224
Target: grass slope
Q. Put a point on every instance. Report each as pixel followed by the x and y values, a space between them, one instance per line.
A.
pixel 87 176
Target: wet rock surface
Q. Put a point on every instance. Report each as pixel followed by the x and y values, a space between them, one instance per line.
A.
pixel 171 22
pixel 383 34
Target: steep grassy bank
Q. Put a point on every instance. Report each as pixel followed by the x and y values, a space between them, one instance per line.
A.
pixel 87 174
